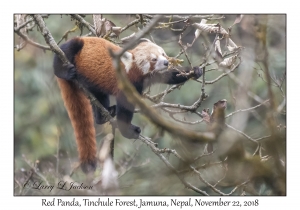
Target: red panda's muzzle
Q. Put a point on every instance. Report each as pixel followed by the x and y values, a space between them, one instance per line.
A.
pixel 166 63
pixel 161 63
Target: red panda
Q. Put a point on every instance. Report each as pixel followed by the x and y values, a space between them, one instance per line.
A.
pixel 92 66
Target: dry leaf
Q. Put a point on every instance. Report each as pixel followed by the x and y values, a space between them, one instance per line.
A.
pixel 99 25
pixel 227 62
pixel 109 25
pixel 174 61
pixel 211 28
pixel 197 33
pixel 238 19
pixel 231 45
pixel 218 47
pixel 231 48
pixel 104 26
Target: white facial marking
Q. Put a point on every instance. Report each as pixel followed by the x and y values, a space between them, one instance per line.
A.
pixel 153 56
pixel 146 67
pixel 127 60
pixel 160 64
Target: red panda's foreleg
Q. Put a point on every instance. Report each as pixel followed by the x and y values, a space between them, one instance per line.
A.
pixel 173 76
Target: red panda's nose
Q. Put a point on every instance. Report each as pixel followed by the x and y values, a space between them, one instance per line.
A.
pixel 166 63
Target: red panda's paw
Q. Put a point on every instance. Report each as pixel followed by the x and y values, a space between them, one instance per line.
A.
pixel 131 132
pixel 89 166
pixel 112 110
pixel 70 72
pixel 136 131
pixel 197 72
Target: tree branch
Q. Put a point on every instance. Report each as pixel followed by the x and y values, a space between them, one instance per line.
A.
pixel 29 41
pixel 85 23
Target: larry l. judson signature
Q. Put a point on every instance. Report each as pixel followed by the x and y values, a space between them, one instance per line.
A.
pixel 62 185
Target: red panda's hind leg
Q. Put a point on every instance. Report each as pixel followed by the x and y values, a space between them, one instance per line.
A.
pixel 104 100
pixel 124 116
pixel 99 119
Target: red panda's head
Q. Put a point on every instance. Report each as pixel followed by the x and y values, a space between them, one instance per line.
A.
pixel 147 56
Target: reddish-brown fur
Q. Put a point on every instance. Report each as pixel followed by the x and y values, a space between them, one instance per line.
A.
pixel 135 74
pixel 94 62
pixel 80 113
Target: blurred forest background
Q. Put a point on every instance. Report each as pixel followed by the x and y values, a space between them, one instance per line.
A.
pixel 249 156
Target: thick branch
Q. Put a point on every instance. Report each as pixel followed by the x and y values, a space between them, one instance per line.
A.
pixel 49 39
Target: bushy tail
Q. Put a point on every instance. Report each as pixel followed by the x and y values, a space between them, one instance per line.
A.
pixel 81 116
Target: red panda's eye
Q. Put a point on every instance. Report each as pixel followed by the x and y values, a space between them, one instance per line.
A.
pixel 154 59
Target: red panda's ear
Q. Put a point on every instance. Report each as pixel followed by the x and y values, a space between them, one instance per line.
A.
pixel 136 43
pixel 144 40
pixel 127 59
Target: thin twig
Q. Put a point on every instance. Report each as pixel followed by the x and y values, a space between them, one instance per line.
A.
pixel 29 41
pixel 204 155
pixel 85 23
pixel 23 25
pixel 222 75
pixel 130 24
pixel 245 110
pixel 184 50
pixel 35 170
pixel 248 137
